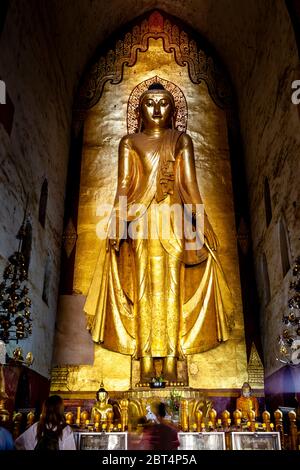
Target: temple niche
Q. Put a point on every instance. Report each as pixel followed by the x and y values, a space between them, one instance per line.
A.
pixel 136 332
pixel 104 114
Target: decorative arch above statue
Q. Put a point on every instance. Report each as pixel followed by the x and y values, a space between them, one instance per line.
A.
pixel 202 66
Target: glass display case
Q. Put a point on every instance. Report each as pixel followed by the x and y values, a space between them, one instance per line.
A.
pixel 255 441
pixel 101 440
pixel 201 441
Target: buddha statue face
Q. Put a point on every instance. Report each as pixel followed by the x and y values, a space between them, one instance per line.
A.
pixel 156 109
pixel 102 396
pixel 246 390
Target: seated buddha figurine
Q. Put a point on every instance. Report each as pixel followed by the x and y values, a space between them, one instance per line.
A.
pixel 246 402
pixel 102 411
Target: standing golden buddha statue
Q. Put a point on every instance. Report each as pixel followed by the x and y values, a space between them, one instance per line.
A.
pixel 141 301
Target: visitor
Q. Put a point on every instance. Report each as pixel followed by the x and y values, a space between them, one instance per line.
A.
pixel 135 437
pixel 6 440
pixel 161 435
pixel 51 432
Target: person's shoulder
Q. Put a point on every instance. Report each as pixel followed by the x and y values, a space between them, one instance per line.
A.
pixel 32 429
pixel 6 440
pixel 27 440
pixel 67 431
pixel 67 441
pixel 5 432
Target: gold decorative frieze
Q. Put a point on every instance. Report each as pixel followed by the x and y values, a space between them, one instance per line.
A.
pixel 61 377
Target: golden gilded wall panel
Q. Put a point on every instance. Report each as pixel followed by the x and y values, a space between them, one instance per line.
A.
pixel 112 368
pixel 105 124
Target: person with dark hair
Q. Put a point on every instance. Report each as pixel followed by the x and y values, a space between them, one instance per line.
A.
pixel 161 435
pixel 6 440
pixel 51 432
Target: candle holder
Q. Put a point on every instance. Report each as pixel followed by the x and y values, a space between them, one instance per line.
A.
pixel 15 315
pixel 4 414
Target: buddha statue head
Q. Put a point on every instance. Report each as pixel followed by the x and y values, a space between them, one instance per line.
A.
pixel 156 109
pixel 246 390
pixel 102 395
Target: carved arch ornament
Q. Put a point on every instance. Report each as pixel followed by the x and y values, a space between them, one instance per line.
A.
pixel 109 67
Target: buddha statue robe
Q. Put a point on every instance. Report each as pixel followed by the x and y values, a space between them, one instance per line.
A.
pixel 154 297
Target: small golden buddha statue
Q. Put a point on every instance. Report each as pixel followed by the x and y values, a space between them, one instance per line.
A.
pixel 102 411
pixel 246 402
pixel 18 355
